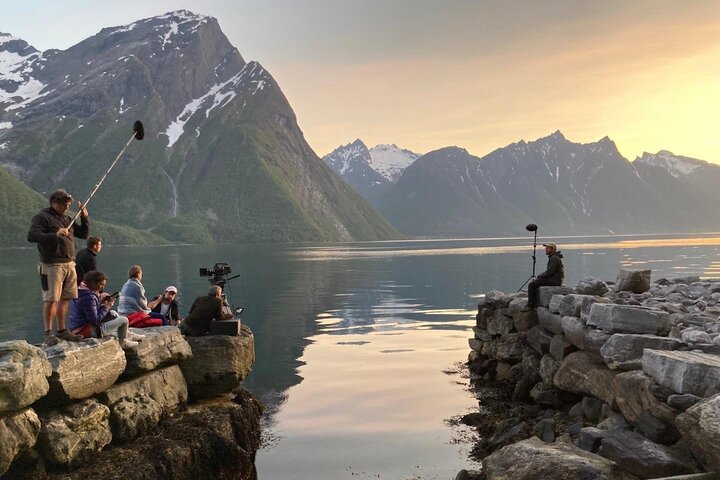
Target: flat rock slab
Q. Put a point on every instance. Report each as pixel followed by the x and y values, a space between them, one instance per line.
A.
pixel 83 369
pixel 625 350
pixel 575 305
pixel 534 459
pixel 613 318
pixel 579 375
pixel 641 457
pixel 550 321
pixel 219 363
pixel 18 432
pixel 23 375
pixel 545 294
pixel 683 372
pixel 700 427
pixel 161 346
pixel 73 435
pixel 137 405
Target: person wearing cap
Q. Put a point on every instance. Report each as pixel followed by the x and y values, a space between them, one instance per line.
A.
pixel 50 229
pixel 552 276
pixel 167 305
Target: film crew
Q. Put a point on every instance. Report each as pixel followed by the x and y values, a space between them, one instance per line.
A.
pixel 167 305
pixel 54 232
pixel 90 314
pixel 552 276
pixel 133 303
pixel 85 260
pixel 204 310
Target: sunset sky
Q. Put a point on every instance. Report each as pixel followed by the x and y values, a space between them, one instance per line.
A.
pixel 478 74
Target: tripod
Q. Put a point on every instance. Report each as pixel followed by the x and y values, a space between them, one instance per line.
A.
pixel 531 228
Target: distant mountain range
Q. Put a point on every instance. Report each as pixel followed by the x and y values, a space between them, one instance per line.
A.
pixel 370 171
pixel 564 187
pixel 223 158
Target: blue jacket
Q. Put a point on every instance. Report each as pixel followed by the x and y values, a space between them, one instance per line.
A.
pixel 86 309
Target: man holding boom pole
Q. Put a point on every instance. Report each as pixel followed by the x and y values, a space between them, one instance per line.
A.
pixel 55 232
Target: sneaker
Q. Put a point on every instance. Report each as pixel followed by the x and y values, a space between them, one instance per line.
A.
pixel 135 337
pixel 128 343
pixel 69 336
pixel 50 339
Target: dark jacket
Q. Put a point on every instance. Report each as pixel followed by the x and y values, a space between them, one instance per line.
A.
pixel 204 310
pixel 54 249
pixel 172 313
pixel 86 309
pixel 85 261
pixel 555 271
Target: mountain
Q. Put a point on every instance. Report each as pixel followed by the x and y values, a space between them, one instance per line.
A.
pixel 562 186
pixel 370 171
pixel 223 157
pixel 687 173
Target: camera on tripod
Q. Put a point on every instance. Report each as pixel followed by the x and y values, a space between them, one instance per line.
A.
pixel 217 274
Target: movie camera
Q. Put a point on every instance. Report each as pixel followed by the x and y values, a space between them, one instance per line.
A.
pixel 218 275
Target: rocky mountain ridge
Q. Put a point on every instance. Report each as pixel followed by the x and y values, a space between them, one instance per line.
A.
pixel 565 187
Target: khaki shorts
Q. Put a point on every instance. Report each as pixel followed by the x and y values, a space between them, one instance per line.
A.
pixel 58 281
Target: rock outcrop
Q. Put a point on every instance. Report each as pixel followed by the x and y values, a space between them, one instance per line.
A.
pixel 160 346
pixel 23 375
pixel 18 432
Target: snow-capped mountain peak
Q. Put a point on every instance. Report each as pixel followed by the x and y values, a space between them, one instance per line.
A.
pixel 390 160
pixel 18 61
pixel 676 165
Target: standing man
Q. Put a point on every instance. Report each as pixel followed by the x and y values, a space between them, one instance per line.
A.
pixel 552 276
pixel 56 245
pixel 85 260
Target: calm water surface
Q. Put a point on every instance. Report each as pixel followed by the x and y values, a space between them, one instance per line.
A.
pixel 355 342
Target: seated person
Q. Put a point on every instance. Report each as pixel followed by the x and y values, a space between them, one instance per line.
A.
pixel 204 310
pixel 89 309
pixel 133 303
pixel 167 305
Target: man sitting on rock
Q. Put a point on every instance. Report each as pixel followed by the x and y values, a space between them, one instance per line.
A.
pixel 167 305
pixel 552 276
pixel 204 310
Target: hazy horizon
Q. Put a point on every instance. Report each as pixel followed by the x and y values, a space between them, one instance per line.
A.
pixel 479 75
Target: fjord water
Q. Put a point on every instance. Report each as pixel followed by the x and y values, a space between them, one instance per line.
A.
pixel 356 343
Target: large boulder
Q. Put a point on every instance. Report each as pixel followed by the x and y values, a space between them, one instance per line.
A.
pixel 83 369
pixel 683 372
pixel 641 457
pixel 23 375
pixel 73 435
pixel 700 427
pixel 574 305
pixel 636 281
pixel 591 286
pixel 575 331
pixel 550 321
pixel 539 339
pixel 161 346
pixel 501 323
pixel 625 350
pixel 534 459
pixel 137 405
pixel 219 363
pixel 613 318
pixel 545 294
pixel 639 395
pixel 579 375
pixel 18 432
pixel 594 341
pixel 508 348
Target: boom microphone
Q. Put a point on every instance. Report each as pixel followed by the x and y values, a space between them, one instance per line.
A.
pixel 531 227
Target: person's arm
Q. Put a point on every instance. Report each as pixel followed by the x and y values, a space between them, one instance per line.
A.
pixel 154 303
pixel 39 232
pixel 93 311
pixel 82 229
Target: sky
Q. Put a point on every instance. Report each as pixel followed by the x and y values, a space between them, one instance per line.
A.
pixel 425 74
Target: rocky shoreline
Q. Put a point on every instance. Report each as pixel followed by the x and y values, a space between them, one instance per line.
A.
pixel 169 408
pixel 617 380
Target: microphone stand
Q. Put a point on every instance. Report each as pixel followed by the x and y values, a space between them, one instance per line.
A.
pixel 532 277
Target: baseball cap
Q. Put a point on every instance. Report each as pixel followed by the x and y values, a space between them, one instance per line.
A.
pixel 171 289
pixel 550 244
pixel 59 196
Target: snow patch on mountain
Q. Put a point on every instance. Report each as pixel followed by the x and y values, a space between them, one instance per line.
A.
pixel 676 165
pixel 390 160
